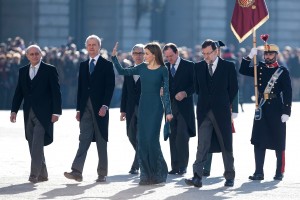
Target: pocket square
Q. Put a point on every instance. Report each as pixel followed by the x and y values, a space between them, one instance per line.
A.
pixel 166 130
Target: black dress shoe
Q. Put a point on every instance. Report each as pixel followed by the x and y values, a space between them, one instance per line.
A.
pixel 278 177
pixel 133 171
pixel 173 171
pixel 42 179
pixel 181 171
pixel 195 181
pixel 229 183
pixel 206 173
pixel 73 175
pixel 256 177
pixel 189 181
pixel 101 179
pixel 33 179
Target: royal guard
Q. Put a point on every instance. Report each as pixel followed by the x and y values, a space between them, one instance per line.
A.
pixel 274 108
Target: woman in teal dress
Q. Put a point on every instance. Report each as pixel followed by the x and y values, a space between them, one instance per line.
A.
pixel 153 75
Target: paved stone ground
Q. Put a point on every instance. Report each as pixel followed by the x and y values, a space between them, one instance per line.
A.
pixel 15 162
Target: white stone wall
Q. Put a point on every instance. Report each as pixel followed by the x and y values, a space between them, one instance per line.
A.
pixel 53 22
pixel 133 30
pixel 17 19
pixel 211 20
pixel 284 22
pixel 48 22
pixel 188 23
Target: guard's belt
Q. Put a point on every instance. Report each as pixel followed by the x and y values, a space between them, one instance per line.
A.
pixel 267 95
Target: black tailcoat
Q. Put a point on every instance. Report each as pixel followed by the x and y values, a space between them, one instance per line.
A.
pixel 216 93
pixel 183 81
pixel 131 92
pixel 42 94
pixel 99 87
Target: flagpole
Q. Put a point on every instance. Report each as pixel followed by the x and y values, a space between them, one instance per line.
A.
pixel 255 70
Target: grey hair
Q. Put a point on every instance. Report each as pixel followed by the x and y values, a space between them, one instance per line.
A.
pixel 93 37
pixel 137 46
pixel 33 46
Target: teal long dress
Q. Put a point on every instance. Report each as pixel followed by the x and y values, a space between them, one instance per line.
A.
pixel 151 109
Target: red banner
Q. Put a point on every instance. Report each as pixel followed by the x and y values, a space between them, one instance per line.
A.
pixel 248 15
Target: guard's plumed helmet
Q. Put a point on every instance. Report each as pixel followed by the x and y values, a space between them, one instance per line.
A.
pixel 269 47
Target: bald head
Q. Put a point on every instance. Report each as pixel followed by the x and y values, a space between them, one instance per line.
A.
pixel 33 46
pixel 34 54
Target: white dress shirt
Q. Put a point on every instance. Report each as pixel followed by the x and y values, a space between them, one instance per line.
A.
pixel 33 70
pixel 214 66
pixel 136 77
pixel 176 63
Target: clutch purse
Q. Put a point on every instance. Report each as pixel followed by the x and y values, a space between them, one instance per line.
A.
pixel 167 130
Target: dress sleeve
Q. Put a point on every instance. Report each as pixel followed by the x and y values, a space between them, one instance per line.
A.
pixel 125 71
pixel 166 93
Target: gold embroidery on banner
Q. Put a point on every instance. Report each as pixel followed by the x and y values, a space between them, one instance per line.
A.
pixel 246 3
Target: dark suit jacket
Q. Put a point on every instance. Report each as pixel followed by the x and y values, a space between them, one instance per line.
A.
pixel 131 92
pixel 183 81
pixel 42 94
pixel 99 86
pixel 216 94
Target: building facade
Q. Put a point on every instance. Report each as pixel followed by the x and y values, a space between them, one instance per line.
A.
pixel 186 23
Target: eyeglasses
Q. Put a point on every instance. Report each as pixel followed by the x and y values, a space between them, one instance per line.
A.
pixel 138 53
pixel 34 54
pixel 207 54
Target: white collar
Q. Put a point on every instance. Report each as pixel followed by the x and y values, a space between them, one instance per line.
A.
pixel 95 58
pixel 215 63
pixel 176 63
pixel 37 66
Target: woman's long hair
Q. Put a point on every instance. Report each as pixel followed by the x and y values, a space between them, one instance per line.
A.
pixel 155 49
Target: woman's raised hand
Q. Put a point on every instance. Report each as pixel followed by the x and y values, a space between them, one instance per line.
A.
pixel 115 49
pixel 169 117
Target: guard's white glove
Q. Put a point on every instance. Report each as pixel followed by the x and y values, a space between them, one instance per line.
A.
pixel 252 53
pixel 234 115
pixel 284 118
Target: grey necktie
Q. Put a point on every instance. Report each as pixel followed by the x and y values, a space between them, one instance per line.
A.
pixel 210 70
pixel 32 73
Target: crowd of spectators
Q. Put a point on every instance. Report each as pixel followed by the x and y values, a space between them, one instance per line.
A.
pixel 67 57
